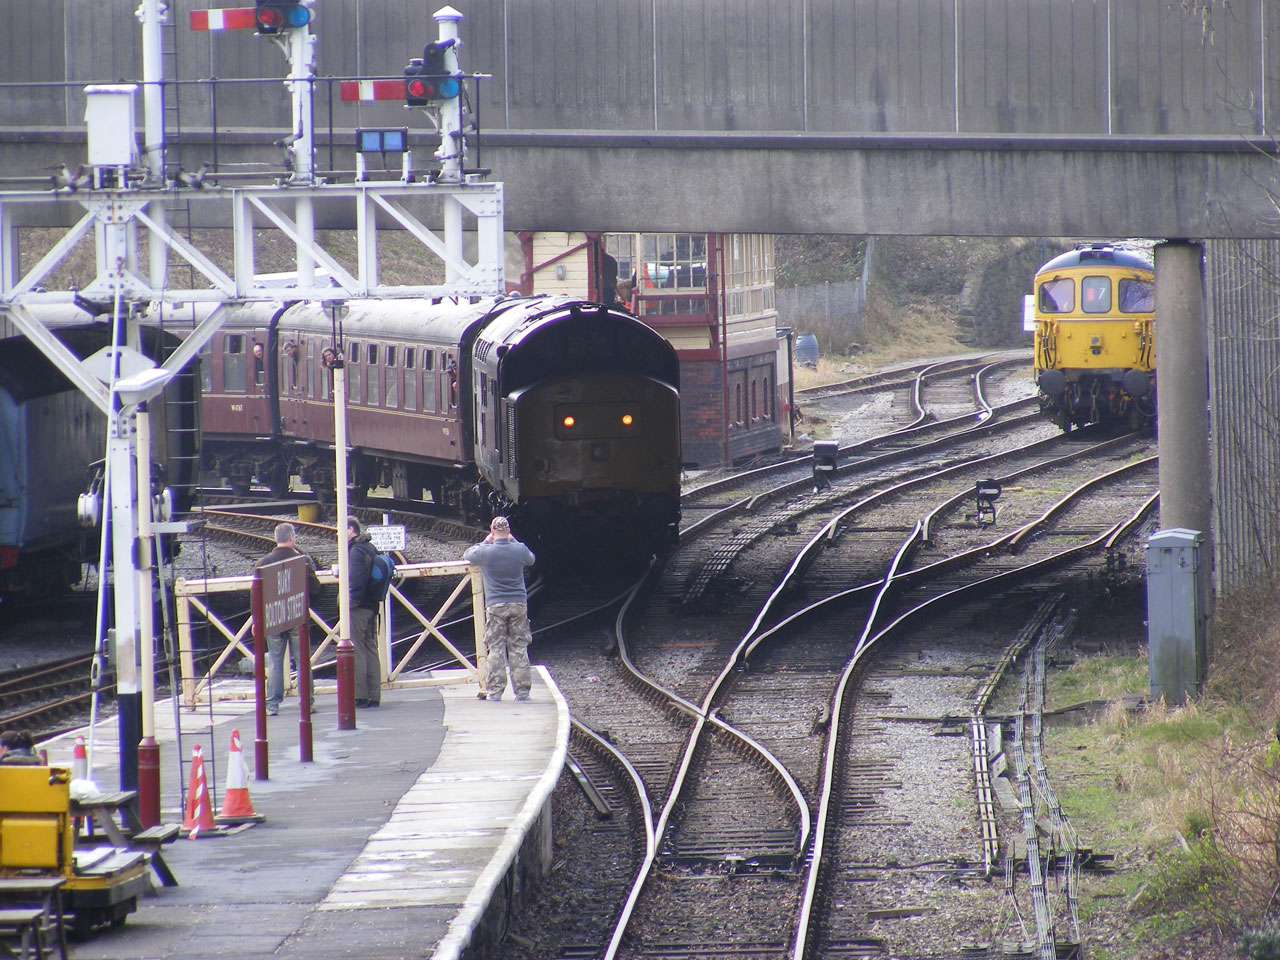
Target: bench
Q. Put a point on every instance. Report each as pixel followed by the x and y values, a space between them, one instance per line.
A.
pixel 28 922
pixel 32 925
pixel 103 807
pixel 150 841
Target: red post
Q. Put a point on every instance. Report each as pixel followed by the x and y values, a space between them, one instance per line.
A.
pixel 149 782
pixel 259 678
pixel 304 689
pixel 346 684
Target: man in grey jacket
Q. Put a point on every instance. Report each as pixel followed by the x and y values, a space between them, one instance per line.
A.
pixel 502 559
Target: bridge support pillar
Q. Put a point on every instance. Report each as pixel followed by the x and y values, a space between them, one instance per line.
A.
pixel 1183 389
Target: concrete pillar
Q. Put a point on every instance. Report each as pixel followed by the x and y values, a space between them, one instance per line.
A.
pixel 1183 388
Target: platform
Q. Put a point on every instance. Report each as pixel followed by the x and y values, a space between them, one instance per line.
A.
pixel 397 841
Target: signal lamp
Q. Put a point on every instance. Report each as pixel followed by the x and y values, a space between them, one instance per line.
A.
pixel 569 421
pixel 627 420
pixel 276 15
pixel 429 78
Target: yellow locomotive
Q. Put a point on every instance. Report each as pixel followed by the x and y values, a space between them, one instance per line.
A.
pixel 1095 359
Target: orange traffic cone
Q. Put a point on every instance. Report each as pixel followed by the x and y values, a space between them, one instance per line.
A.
pixel 199 810
pixel 79 761
pixel 236 805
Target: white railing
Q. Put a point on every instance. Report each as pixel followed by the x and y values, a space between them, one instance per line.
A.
pixel 190 595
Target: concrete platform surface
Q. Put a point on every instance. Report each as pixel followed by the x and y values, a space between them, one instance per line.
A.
pixel 390 844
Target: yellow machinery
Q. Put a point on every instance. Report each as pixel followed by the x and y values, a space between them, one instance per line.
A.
pixel 37 838
pixel 1095 356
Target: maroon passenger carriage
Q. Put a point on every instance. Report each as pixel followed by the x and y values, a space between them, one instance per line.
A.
pixel 560 412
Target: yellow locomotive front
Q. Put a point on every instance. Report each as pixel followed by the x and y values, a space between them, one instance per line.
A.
pixel 1095 341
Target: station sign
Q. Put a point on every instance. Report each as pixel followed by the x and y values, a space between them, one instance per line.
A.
pixel 387 537
pixel 284 595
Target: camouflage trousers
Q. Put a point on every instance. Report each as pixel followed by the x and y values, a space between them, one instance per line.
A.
pixel 506 642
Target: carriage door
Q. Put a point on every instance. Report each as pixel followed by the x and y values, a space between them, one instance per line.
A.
pixel 292 372
pixel 258 395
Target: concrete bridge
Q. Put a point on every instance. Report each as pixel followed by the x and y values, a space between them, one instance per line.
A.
pixel 930 117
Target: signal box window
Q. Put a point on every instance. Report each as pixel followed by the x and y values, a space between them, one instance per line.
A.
pixel 1057 296
pixel 1137 296
pixel 234 370
pixel 353 375
pixel 1095 294
pixel 393 380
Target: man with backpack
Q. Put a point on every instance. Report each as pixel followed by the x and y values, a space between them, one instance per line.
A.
pixel 361 556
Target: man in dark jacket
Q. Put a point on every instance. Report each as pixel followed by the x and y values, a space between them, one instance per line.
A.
pixel 502 559
pixel 18 747
pixel 364 617
pixel 277 665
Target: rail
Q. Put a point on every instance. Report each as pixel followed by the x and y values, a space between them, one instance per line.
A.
pixel 190 594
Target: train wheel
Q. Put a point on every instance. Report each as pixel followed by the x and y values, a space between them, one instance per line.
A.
pixel 278 480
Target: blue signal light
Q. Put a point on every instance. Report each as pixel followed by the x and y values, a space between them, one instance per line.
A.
pixel 299 16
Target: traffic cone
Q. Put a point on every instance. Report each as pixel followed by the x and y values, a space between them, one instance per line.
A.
pixel 236 805
pixel 199 810
pixel 79 761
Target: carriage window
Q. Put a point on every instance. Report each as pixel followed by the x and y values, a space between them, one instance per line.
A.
pixel 353 375
pixel 1095 294
pixel 234 370
pixel 1137 296
pixel 428 359
pixel 259 365
pixel 372 383
pixel 326 372
pixel 393 380
pixel 311 369
pixel 410 380
pixel 206 369
pixel 1058 296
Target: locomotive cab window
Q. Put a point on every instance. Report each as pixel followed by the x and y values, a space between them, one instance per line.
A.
pixel 1137 296
pixel 1095 294
pixel 234 366
pixel 1057 295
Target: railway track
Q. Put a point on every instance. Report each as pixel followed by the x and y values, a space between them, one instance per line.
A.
pixel 733 775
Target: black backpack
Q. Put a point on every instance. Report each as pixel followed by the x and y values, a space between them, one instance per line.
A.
pixel 381 569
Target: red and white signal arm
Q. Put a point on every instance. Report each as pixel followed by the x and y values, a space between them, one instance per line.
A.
pixel 229 18
pixel 372 90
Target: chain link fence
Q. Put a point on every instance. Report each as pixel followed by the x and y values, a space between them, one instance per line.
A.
pixel 833 312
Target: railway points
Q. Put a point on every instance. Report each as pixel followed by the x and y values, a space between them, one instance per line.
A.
pixel 405 836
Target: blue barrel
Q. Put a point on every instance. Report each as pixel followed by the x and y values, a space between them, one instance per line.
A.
pixel 807 349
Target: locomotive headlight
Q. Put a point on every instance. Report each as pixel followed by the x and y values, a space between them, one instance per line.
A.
pixel 627 420
pixel 569 421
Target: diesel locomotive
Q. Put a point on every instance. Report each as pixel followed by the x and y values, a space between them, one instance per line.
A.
pixel 1095 355
pixel 560 413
